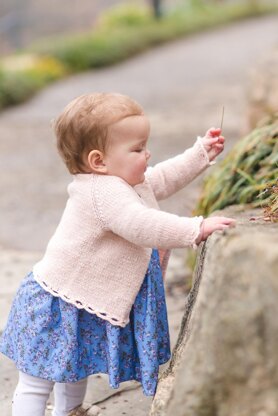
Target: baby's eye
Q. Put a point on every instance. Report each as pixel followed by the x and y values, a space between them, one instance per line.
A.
pixel 138 150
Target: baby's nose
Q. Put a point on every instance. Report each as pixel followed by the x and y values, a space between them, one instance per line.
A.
pixel 148 154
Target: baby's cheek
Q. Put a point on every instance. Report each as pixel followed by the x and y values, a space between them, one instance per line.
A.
pixel 143 163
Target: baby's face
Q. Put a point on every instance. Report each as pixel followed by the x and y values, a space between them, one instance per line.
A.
pixel 127 154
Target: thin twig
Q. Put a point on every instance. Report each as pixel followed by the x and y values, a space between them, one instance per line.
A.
pixel 222 118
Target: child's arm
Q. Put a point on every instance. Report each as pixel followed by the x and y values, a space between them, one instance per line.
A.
pixel 120 210
pixel 170 176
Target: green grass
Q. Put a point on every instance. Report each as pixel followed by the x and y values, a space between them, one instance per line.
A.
pixel 121 33
pixel 247 175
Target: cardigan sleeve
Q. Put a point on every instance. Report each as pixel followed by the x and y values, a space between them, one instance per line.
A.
pixel 120 210
pixel 170 176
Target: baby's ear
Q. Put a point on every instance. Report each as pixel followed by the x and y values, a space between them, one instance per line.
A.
pixel 96 163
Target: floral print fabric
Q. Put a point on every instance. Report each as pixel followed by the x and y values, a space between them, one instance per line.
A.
pixel 52 339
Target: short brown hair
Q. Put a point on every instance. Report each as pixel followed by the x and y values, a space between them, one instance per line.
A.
pixel 83 125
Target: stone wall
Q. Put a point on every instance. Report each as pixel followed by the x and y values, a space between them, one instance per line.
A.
pixel 225 362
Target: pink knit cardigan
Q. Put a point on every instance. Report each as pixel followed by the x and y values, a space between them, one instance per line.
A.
pixel 99 253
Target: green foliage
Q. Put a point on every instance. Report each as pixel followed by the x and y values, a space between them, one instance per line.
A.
pixel 96 50
pixel 23 75
pixel 120 33
pixel 125 15
pixel 127 30
pixel 15 88
pixel 271 210
pixel 243 176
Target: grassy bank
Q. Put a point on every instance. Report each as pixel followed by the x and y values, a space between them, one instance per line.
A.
pixel 121 33
pixel 247 175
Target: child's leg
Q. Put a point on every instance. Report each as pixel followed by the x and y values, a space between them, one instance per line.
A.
pixel 67 396
pixel 31 395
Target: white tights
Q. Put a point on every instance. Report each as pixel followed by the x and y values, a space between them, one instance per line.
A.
pixel 32 393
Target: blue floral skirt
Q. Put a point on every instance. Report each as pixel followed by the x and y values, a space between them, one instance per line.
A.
pixel 52 339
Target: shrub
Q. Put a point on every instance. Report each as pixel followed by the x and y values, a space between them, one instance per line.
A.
pixel 22 75
pixel 125 15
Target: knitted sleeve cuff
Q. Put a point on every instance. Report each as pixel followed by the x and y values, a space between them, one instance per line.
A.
pixel 200 141
pixel 198 233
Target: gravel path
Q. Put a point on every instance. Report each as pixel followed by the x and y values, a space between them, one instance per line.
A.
pixel 183 86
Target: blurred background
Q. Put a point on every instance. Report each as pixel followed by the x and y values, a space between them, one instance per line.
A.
pixel 24 21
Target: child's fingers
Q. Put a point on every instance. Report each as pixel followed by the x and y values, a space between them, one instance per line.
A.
pixel 228 221
pixel 214 138
pixel 224 220
pixel 213 132
pixel 210 142
pixel 223 227
pixel 232 223
pixel 219 146
pixel 221 139
pixel 214 141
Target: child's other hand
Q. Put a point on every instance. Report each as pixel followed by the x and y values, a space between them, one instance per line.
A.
pixel 213 142
pixel 209 225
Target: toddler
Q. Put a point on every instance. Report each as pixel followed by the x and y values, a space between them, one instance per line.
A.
pixel 95 303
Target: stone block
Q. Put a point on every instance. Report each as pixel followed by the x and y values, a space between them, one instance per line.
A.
pixel 226 359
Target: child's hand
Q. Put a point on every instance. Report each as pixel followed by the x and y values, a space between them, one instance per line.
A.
pixel 213 143
pixel 209 225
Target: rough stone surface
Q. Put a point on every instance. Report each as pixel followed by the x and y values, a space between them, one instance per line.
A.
pixel 225 361
pixel 263 89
